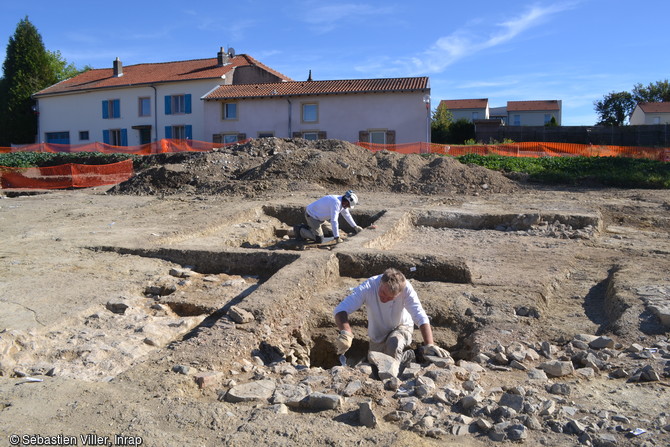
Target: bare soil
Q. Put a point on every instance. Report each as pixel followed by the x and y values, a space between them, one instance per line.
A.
pixel 114 300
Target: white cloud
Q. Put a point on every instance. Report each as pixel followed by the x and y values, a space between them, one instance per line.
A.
pixel 82 38
pixel 487 84
pixel 473 38
pixel 325 18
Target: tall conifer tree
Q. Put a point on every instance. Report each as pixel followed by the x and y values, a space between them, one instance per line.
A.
pixel 26 70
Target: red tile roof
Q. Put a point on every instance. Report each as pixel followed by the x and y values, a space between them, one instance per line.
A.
pixel 456 104
pixel 655 107
pixel 142 74
pixel 319 88
pixel 528 106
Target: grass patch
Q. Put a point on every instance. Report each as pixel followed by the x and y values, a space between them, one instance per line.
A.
pixel 606 171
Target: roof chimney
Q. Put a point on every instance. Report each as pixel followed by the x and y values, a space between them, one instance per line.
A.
pixel 118 68
pixel 222 57
pixel 309 78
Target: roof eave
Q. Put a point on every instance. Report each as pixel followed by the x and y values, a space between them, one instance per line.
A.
pixel 111 87
pixel 284 95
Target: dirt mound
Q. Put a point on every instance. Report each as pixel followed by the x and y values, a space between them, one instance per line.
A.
pixel 274 164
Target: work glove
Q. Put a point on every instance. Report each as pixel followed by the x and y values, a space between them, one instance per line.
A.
pixel 435 351
pixel 358 229
pixel 343 342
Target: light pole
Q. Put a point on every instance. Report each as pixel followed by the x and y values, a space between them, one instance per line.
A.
pixel 426 101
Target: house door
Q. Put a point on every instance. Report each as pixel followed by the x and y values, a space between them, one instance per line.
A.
pixel 145 133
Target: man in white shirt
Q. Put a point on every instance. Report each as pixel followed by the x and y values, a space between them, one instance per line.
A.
pixel 392 307
pixel 324 214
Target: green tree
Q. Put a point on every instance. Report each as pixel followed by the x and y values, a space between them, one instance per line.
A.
pixel 655 92
pixel 552 122
pixel 27 69
pixel 615 108
pixel 461 131
pixel 61 68
pixel 439 125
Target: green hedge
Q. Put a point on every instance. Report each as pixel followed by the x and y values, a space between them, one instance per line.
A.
pixel 41 159
pixel 607 171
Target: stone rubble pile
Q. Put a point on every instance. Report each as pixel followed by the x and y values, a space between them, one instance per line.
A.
pixel 437 398
pixel 657 300
pixel 556 229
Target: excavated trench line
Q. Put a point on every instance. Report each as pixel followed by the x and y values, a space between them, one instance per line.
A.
pixel 274 304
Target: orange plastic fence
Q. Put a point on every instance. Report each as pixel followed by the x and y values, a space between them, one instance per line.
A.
pixel 527 149
pixel 158 147
pixel 77 175
pixel 66 176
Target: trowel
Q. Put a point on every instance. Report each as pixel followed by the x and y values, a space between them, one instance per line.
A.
pixel 343 360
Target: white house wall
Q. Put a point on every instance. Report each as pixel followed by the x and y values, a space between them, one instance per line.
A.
pixel 639 117
pixel 83 112
pixel 341 116
pixel 457 114
pixel 533 118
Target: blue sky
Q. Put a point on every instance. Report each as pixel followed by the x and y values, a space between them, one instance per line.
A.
pixel 577 51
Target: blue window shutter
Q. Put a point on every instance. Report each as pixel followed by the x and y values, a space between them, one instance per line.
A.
pixel 187 101
pixel 189 132
pixel 168 105
pixel 105 110
pixel 168 131
pixel 124 137
pixel 116 108
pixel 105 136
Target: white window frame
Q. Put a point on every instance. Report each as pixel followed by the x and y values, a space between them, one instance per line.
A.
pixel 115 137
pixel 229 116
pixel 142 101
pixel 377 133
pixel 304 115
pixel 178 104
pixel 178 132
pixel 110 108
pixel 229 138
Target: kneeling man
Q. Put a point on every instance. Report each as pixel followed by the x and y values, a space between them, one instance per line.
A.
pixel 393 307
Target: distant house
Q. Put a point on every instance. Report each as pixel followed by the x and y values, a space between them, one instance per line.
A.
pixel 533 113
pixel 498 114
pixel 469 109
pixel 651 113
pixel 137 104
pixel 385 111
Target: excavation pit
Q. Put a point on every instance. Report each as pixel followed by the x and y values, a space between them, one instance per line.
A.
pixel 437 280
pixel 414 267
pixel 211 281
pixel 323 353
pixel 509 221
pixel 260 264
pixel 193 289
pixel 290 216
pixel 295 215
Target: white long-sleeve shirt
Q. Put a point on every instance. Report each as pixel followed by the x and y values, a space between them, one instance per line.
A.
pixel 384 317
pixel 329 208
